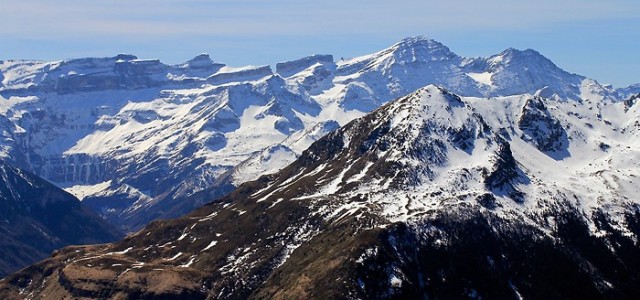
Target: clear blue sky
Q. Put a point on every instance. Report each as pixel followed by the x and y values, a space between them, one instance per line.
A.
pixel 598 39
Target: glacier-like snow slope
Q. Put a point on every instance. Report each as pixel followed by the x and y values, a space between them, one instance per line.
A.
pixel 134 137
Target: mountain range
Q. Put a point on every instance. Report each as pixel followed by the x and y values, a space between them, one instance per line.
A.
pixel 139 140
pixel 432 195
pixel 408 173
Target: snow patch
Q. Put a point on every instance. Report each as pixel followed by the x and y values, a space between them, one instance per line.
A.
pixel 213 243
pixel 484 78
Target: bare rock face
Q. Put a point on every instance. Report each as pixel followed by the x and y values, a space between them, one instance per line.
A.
pixel 540 128
pixel 505 174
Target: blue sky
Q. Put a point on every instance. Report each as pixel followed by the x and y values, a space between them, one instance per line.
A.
pixel 598 39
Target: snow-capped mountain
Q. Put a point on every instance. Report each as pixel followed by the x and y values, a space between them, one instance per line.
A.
pixel 432 195
pixel 135 138
pixel 37 218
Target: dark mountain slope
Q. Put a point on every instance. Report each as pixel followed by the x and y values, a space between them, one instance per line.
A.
pixel 36 218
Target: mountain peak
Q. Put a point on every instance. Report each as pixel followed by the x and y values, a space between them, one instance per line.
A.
pixel 420 48
pixel 201 57
pixel 515 55
pixel 516 51
pixel 124 56
pixel 408 138
pixel 432 95
pixel 202 60
pixel 420 39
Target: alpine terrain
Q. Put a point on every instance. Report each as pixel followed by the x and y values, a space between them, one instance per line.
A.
pixel 432 195
pixel 139 140
pixel 37 218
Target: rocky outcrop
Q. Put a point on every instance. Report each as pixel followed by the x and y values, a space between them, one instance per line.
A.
pixel 540 128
